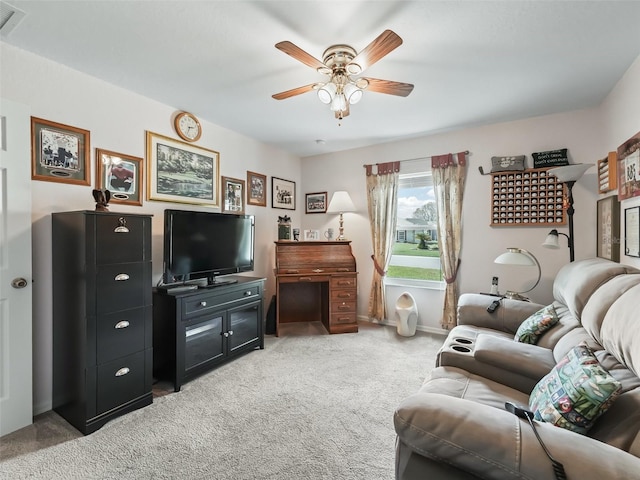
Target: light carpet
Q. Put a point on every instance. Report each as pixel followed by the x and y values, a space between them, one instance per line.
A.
pixel 308 406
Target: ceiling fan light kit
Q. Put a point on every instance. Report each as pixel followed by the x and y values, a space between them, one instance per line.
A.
pixel 340 63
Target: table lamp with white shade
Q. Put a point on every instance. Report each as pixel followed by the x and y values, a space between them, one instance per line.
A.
pixel 340 203
pixel 519 256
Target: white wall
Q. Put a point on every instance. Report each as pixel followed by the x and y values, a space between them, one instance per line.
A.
pixel 588 134
pixel 117 120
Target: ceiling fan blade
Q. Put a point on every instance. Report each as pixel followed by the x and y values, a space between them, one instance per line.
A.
pixel 387 86
pixel 293 92
pixel 299 54
pixel 386 42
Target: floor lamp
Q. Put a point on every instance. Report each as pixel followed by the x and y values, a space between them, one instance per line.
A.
pixel 569 175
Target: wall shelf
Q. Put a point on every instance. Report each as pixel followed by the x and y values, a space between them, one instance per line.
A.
pixel 608 173
pixel 528 198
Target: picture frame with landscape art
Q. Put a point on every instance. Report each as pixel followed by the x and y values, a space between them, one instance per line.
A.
pixel 315 202
pixel 608 228
pixel 60 153
pixel 256 189
pixel 120 174
pixel 283 193
pixel 233 192
pixel 180 172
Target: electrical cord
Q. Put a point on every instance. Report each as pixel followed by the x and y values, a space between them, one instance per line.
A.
pixel 558 468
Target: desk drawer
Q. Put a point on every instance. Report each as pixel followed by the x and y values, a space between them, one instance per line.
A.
pixel 342 282
pixel 338 318
pixel 303 278
pixel 343 306
pixel 343 295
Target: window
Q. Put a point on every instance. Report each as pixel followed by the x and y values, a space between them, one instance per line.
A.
pixel 416 258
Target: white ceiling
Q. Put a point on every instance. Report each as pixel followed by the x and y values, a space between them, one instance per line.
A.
pixel 472 62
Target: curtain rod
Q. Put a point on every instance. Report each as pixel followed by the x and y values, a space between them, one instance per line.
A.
pixel 466 152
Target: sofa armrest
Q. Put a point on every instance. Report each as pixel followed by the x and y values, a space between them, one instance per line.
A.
pixel 522 358
pixel 491 443
pixel 472 310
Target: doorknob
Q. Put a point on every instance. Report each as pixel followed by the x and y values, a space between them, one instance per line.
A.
pixel 19 283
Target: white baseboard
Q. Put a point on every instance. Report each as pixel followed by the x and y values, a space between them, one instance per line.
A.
pixel 421 328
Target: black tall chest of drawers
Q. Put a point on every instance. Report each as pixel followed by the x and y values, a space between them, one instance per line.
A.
pixel 102 316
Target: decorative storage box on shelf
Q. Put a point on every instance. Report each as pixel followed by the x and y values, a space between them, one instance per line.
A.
pixel 608 173
pixel 526 198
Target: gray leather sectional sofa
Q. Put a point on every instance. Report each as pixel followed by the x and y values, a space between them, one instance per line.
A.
pixel 456 426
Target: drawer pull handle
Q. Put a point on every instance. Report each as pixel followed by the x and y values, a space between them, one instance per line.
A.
pixel 343 270
pixel 226 334
pixel 304 279
pixel 293 271
pixel 122 371
pixel 318 270
pixel 344 282
pixel 203 303
pixel 343 307
pixel 122 227
pixel 248 293
pixel 230 332
pixel 344 295
pixel 121 277
pixel 122 324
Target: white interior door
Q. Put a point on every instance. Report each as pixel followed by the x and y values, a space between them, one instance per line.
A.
pixel 16 399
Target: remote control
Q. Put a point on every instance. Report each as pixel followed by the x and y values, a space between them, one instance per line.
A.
pixel 494 305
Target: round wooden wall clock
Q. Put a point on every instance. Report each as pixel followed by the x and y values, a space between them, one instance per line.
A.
pixel 187 126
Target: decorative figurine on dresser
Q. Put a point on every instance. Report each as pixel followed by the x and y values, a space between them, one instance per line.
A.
pixel 102 316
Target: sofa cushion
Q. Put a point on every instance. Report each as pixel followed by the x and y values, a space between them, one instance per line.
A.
pixel 575 393
pixel 533 327
pixel 576 281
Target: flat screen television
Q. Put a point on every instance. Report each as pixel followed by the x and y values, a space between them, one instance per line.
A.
pixel 206 245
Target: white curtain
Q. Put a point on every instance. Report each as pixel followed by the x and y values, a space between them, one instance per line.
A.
pixel 448 181
pixel 382 202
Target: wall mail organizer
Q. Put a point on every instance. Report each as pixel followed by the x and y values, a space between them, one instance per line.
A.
pixel 526 198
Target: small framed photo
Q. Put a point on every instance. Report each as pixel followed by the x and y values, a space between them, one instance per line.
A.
pixel 59 153
pixel 256 189
pixel 283 194
pixel 632 231
pixel 181 172
pixel 311 235
pixel 233 191
pixel 120 174
pixel 315 202
pixel 608 228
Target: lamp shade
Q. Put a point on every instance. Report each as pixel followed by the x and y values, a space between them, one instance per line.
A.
pixel 552 240
pixel 341 202
pixel 569 173
pixel 520 257
pixel 515 256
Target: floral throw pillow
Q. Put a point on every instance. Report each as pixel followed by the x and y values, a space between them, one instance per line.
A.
pixel 575 393
pixel 533 327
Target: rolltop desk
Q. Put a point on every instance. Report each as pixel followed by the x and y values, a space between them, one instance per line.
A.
pixel 316 281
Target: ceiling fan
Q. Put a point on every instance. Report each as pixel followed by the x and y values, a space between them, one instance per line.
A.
pixel 342 64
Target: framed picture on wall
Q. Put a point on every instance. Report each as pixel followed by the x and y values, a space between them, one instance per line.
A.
pixel 233 191
pixel 608 228
pixel 256 189
pixel 283 193
pixel 315 202
pixel 181 172
pixel 59 153
pixel 120 174
pixel 632 232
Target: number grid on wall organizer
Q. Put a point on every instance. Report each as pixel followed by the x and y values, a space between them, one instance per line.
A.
pixel 527 198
